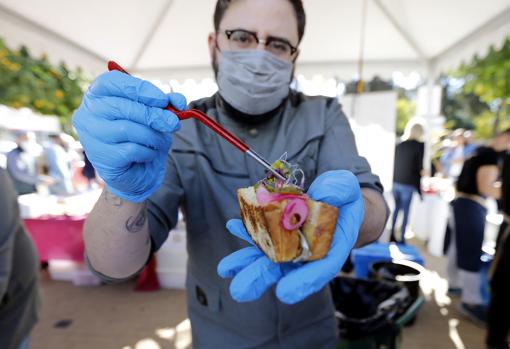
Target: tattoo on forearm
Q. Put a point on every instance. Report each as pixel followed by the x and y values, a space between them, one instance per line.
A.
pixel 134 224
pixel 112 199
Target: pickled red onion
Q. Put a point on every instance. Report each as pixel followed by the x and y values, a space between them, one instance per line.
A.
pixel 264 196
pixel 296 208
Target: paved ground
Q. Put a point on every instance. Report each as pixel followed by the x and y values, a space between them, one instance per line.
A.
pixel 115 317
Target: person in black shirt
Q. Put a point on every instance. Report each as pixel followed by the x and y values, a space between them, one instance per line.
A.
pixel 19 286
pixel 88 171
pixel 476 182
pixel 498 317
pixel 407 175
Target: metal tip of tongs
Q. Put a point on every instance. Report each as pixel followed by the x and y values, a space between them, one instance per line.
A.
pixel 266 164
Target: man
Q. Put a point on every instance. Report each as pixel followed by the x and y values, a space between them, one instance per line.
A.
pixel 498 317
pixel 126 135
pixel 22 164
pixel 476 182
pixel 19 288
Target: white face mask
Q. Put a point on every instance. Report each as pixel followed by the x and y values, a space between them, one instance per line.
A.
pixel 253 81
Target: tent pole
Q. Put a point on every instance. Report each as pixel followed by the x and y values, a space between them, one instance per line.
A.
pixel 430 114
pixel 402 31
pixel 359 83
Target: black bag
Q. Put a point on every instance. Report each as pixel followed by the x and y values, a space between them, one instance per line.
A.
pixel 364 307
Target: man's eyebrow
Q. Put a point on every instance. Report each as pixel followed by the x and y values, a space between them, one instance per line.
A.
pixel 280 39
pixel 244 30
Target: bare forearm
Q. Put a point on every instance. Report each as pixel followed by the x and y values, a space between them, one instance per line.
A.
pixel 376 214
pixel 116 235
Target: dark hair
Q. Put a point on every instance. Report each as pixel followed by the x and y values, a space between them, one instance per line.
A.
pixel 222 6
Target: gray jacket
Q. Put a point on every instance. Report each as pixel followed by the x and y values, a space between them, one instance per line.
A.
pixel 19 288
pixel 203 173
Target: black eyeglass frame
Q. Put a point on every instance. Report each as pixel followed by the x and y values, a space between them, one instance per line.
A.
pixel 266 42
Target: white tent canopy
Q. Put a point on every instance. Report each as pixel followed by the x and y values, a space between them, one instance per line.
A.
pixel 167 39
pixel 27 120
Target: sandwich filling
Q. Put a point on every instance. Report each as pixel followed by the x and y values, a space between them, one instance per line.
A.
pixel 296 210
pixel 283 221
pixel 272 189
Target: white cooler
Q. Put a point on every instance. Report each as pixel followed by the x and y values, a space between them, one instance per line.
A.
pixel 77 273
pixel 171 260
pixel 438 212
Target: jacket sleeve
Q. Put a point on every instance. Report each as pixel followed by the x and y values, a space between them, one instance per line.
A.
pixel 9 224
pixel 338 149
pixel 6 248
pixel 163 205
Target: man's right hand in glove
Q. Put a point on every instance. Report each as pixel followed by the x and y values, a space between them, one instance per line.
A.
pixel 126 133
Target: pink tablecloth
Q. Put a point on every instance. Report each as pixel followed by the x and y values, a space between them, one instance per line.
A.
pixel 57 237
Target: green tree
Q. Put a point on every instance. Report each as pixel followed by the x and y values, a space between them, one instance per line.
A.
pixel 484 124
pixel 460 108
pixel 489 79
pixel 35 83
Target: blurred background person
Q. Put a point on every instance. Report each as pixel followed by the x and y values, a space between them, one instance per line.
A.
pixel 498 316
pixel 19 287
pixel 438 148
pixel 60 166
pixel 89 172
pixel 462 147
pixel 477 181
pixel 469 144
pixel 407 170
pixel 22 164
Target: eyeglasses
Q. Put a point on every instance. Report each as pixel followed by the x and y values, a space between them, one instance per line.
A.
pixel 240 39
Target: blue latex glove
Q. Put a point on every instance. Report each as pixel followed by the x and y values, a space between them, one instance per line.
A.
pixel 253 273
pixel 126 133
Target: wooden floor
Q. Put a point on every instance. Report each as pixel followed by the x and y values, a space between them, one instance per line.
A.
pixel 116 317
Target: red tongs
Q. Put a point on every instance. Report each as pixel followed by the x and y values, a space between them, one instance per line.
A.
pixel 213 125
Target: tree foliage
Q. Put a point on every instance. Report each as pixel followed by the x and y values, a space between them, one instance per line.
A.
pixel 459 108
pixel 488 78
pixel 26 81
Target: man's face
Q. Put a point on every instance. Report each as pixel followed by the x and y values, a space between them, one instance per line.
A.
pixel 266 18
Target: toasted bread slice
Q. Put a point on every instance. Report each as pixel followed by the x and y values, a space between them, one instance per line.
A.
pixel 319 228
pixel 279 244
